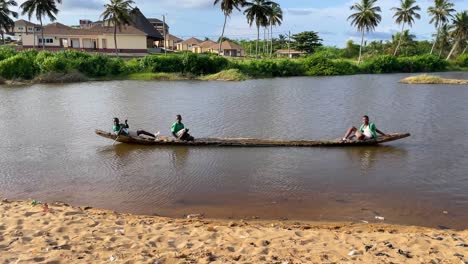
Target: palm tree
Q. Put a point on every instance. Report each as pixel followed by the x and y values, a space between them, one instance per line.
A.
pixel 41 8
pixel 227 6
pixel 444 39
pixel 275 17
pixel 365 19
pixel 405 14
pixel 257 11
pixel 117 13
pixel 6 23
pixel 460 30
pixel 441 12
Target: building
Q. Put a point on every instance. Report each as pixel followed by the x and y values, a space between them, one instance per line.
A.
pixel 171 42
pixel 188 44
pixel 159 25
pixel 137 37
pixel 291 53
pixel 205 46
pixel 228 49
pixel 23 27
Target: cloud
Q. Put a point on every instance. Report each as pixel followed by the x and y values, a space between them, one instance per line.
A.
pixel 88 4
pixel 181 3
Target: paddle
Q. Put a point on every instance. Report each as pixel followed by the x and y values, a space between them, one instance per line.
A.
pixel 118 135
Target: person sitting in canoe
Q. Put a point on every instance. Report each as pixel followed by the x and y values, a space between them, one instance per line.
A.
pixel 367 131
pixel 122 129
pixel 179 131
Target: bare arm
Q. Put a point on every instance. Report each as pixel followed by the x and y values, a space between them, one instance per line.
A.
pixel 380 132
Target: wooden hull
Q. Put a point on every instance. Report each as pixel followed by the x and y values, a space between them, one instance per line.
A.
pixel 248 142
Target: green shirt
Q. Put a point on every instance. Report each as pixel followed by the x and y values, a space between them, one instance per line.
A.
pixel 120 128
pixel 372 129
pixel 176 127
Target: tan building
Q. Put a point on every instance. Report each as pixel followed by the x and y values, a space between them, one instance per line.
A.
pixel 135 38
pixel 205 46
pixel 291 53
pixel 171 42
pixel 228 49
pixel 188 44
pixel 23 27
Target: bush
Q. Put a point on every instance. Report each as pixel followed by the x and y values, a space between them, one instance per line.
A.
pixel 53 64
pixel 20 66
pixel 96 65
pixel 317 65
pixel 380 64
pixel 133 66
pixel 462 60
pixel 159 63
pixel 6 52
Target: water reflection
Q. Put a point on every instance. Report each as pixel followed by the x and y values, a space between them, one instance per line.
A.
pixel 368 157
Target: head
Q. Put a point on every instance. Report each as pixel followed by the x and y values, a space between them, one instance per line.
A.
pixel 116 121
pixel 365 120
pixel 179 118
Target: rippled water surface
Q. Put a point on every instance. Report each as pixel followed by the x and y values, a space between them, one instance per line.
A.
pixel 48 149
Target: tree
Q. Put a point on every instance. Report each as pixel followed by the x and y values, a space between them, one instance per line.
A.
pixel 6 23
pixel 405 14
pixel 444 39
pixel 459 30
pixel 275 18
pixel 41 8
pixel 404 39
pixel 227 6
pixel 307 41
pixel 117 13
pixel 366 19
pixel 441 12
pixel 257 11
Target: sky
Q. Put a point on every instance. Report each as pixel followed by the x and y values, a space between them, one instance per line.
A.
pixel 199 18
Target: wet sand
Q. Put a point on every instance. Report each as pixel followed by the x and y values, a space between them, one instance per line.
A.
pixel 60 233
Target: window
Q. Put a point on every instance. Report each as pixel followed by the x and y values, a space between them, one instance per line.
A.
pixel 30 29
pixel 47 40
pixel 20 28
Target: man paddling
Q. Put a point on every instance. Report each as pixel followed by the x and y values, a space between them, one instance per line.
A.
pixel 122 129
pixel 367 131
pixel 179 131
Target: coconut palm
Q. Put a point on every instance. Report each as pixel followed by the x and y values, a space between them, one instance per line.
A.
pixel 366 19
pixel 117 14
pixel 444 39
pixel 405 14
pixel 41 8
pixel 227 6
pixel 275 18
pixel 459 30
pixel 441 12
pixel 6 23
pixel 257 11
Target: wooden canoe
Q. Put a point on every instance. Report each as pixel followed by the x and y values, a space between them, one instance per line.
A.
pixel 248 142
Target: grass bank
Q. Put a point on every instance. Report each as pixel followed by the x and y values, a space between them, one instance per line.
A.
pixel 428 79
pixel 74 66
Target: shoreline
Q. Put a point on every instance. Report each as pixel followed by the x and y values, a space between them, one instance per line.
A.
pixel 64 233
pixel 223 76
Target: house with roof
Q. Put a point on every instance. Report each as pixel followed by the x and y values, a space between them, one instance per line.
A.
pixel 23 27
pixel 290 53
pixel 228 49
pixel 137 37
pixel 159 25
pixel 205 46
pixel 188 44
pixel 170 42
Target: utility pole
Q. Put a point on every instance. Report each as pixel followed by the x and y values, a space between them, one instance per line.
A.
pixel 164 30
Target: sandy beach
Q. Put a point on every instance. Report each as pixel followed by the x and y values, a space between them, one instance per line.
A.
pixel 59 233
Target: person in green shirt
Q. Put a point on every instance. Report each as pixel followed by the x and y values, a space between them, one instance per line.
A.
pixel 122 129
pixel 179 131
pixel 367 131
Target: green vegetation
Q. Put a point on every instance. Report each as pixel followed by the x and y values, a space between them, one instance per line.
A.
pixel 427 79
pixel 72 66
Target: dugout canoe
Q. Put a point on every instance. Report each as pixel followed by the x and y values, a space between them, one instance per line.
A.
pixel 249 142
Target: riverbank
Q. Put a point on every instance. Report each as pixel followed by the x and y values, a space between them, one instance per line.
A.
pixel 428 79
pixel 62 233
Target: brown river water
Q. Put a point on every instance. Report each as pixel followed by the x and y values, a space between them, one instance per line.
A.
pixel 48 149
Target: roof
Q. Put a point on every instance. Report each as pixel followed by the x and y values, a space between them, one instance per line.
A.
pixel 61 29
pixel 207 44
pixel 291 51
pixel 191 41
pixel 142 23
pixel 227 45
pixel 24 22
pixel 174 38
